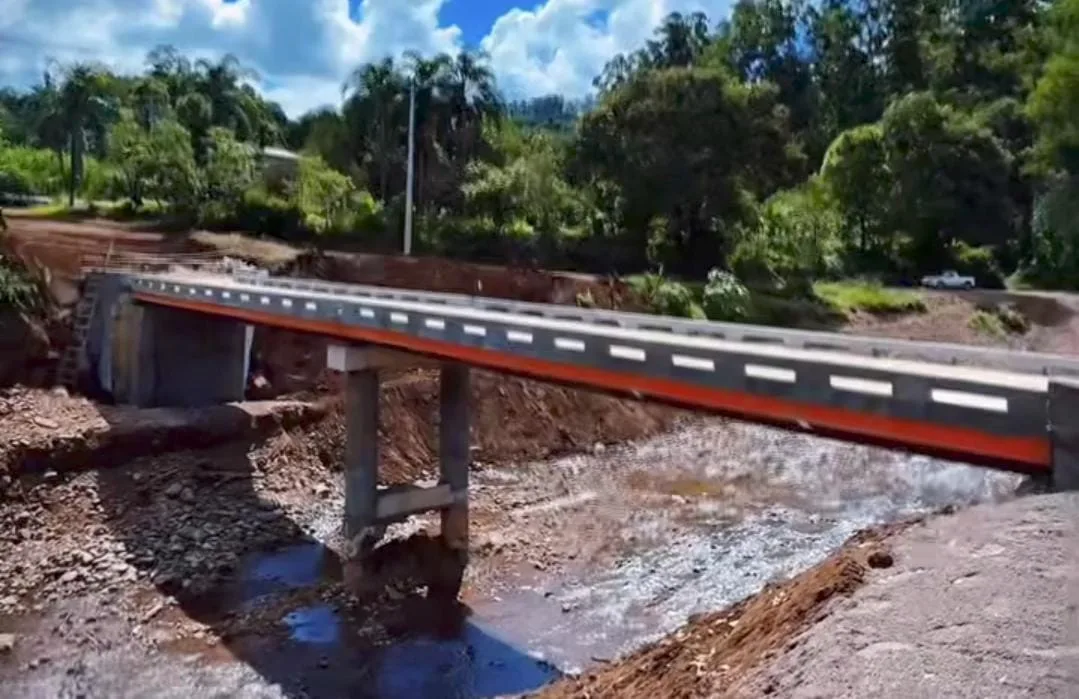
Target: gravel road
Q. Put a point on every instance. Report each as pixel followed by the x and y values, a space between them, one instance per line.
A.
pixel 979 604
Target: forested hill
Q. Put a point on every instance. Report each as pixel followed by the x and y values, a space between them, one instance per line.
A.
pixel 789 142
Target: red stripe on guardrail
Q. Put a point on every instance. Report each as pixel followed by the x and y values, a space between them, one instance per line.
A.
pixel 1023 454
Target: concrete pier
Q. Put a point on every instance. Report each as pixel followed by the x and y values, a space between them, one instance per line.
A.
pixel 165 357
pixel 368 509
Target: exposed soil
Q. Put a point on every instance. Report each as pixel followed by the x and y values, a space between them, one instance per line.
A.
pixel 712 653
pixel 1053 318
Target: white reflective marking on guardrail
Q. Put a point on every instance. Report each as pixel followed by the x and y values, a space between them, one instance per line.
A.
pixel 699 363
pixel 771 373
pixel 245 297
pixel 965 399
pixel 192 290
pixel 287 303
pixel 399 318
pixel 226 294
pixel 569 344
pixel 209 292
pixel 859 385
pixel 518 336
pixel 367 313
pixel 311 306
pixel 634 354
pixel 435 323
pixel 176 288
pixel 161 286
pixel 477 330
pixel 265 300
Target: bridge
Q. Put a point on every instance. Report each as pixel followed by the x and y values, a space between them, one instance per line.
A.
pixel 183 337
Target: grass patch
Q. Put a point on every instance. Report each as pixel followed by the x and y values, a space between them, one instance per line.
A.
pixel 851 297
pixel 999 321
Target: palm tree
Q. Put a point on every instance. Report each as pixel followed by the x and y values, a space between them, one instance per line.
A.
pixel 374 95
pixel 473 98
pixel 84 107
pixel 221 82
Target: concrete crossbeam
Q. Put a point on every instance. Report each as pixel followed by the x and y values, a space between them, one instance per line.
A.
pixel 398 503
pixel 348 358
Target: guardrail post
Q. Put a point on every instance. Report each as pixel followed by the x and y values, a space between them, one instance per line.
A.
pixel 1064 432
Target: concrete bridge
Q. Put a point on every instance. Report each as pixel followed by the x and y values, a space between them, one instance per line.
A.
pixel 184 338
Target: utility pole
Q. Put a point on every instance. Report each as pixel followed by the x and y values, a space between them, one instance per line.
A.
pixel 411 155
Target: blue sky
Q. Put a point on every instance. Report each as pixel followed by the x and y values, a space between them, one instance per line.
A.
pixel 303 49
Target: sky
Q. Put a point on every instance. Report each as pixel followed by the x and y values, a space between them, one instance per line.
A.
pixel 302 50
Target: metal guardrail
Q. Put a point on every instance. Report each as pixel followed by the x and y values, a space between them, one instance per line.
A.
pixel 938 352
pixel 982 415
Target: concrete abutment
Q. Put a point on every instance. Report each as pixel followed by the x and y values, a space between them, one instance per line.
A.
pixel 162 357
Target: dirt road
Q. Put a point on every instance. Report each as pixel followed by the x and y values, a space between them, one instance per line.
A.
pixel 982 604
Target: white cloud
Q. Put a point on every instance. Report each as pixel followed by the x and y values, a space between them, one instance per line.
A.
pixel 560 46
pixel 303 49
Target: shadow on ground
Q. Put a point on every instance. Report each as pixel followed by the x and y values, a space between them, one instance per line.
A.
pixel 282 608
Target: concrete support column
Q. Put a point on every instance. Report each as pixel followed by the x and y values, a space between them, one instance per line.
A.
pixel 454 452
pixel 361 455
pixel 1064 432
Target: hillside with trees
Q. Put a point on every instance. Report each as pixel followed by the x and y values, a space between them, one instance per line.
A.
pixel 790 143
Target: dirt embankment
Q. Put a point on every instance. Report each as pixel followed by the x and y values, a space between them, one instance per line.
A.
pixel 713 654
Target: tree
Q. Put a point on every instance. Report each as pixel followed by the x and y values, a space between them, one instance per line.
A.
pixel 686 147
pixel 951 177
pixel 230 168
pixel 83 107
pixel 374 95
pixel 856 169
pixel 156 163
pixel 1054 104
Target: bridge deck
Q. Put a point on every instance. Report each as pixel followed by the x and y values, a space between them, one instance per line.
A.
pixel 986 416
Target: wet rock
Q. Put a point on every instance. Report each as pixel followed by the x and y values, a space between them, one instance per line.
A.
pixel 7 643
pixel 598 448
pixel 46 422
pixel 187 495
pixel 880 559
pixel 173 490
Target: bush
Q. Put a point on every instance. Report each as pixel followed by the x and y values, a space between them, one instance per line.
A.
pixel 726 298
pixel 980 263
pixel 795 240
pixel 674 299
pixel 18 289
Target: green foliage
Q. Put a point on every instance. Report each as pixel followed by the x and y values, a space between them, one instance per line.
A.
pixel 1054 258
pixel 849 297
pixel 18 289
pixel 726 298
pixel 230 169
pixel 998 321
pixel 796 239
pixel 685 146
pixel 978 262
pixel 30 171
pixel 1054 103
pixel 156 163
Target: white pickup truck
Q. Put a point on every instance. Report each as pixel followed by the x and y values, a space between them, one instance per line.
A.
pixel 949 279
